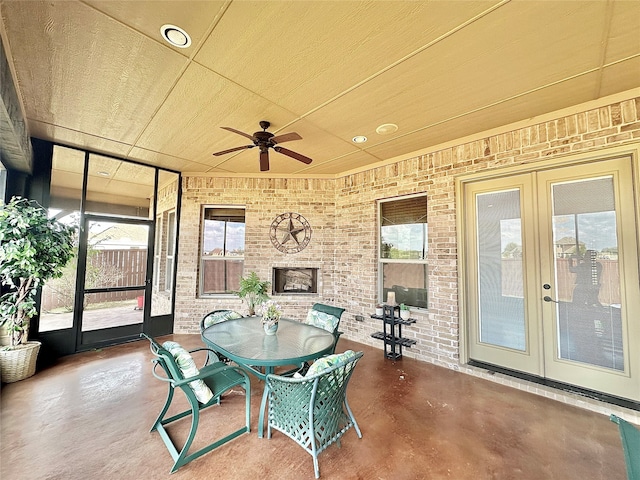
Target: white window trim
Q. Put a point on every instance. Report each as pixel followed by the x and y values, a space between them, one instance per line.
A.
pixel 380 260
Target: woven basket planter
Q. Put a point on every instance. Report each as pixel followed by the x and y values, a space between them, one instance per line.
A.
pixel 19 363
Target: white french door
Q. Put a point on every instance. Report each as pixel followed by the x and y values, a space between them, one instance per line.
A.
pixel 551 275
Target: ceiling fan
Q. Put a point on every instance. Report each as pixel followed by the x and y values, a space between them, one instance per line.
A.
pixel 265 140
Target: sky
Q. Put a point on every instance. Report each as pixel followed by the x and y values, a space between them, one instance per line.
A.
pixel 595 230
pixel 214 231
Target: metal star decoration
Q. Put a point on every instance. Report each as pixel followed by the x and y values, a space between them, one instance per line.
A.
pixel 290 232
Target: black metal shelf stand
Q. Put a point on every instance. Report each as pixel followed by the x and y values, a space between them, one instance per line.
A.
pixel 392 332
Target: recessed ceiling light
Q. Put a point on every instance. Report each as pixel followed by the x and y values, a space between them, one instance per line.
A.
pixel 387 129
pixel 104 174
pixel 175 36
pixel 359 139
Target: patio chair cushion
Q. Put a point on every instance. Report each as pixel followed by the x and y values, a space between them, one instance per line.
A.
pixel 219 316
pixel 187 366
pixel 329 361
pixel 322 320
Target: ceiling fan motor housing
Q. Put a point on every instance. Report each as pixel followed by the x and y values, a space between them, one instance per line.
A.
pixel 262 138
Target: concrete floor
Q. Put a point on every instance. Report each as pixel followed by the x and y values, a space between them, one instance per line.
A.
pixel 89 416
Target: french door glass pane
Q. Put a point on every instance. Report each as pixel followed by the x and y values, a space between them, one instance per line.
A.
pixel 589 326
pixel 500 270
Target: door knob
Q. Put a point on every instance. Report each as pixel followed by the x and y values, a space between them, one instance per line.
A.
pixel 547 298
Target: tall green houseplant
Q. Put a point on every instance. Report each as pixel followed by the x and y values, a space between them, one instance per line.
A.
pixel 253 291
pixel 33 249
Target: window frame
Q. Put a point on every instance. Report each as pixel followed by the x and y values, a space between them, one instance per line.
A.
pixel 157 251
pixel 399 261
pixel 169 256
pixel 205 258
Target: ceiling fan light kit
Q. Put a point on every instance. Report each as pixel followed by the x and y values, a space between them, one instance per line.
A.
pixel 265 140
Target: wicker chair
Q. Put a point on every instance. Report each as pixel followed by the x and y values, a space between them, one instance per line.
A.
pixel 313 410
pixel 630 437
pixel 214 317
pixel 211 381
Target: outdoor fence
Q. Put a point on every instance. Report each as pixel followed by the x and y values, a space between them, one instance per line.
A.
pixel 609 292
pixel 105 268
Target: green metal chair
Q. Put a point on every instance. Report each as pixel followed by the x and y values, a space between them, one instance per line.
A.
pixel 336 312
pixel 218 377
pixel 214 317
pixel 630 437
pixel 321 316
pixel 313 410
pixel 218 316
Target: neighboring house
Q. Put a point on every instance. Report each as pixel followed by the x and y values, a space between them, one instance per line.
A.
pixel 118 236
pixel 566 247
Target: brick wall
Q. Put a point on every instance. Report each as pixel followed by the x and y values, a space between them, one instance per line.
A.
pixel 264 199
pixel 437 331
pixel 343 215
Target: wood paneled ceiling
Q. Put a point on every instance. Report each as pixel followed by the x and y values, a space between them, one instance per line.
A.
pixel 98 75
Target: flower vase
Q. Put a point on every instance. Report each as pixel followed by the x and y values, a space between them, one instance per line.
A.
pixel 270 326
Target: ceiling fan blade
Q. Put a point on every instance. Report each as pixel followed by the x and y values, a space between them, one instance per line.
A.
pixel 264 161
pixel 286 137
pixel 224 152
pixel 289 153
pixel 250 137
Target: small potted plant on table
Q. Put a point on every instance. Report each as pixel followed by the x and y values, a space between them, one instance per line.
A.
pixel 271 313
pixel 33 249
pixel 405 312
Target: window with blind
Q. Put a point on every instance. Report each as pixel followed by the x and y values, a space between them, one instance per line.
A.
pixel 222 249
pixel 403 250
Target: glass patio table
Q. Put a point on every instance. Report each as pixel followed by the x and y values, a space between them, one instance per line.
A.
pixel 243 340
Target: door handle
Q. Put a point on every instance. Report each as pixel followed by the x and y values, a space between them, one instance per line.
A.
pixel 547 298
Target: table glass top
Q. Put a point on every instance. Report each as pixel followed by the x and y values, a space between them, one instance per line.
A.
pixel 244 340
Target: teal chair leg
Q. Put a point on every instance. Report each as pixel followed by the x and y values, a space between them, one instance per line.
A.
pixel 630 437
pixel 163 412
pixel 217 377
pixel 181 457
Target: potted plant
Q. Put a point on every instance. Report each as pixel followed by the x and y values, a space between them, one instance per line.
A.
pixel 253 291
pixel 405 313
pixel 271 313
pixel 379 309
pixel 33 249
